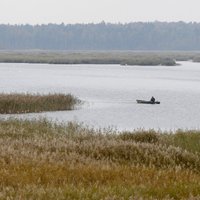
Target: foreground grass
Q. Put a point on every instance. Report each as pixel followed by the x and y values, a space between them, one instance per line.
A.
pixel 42 160
pixel 27 103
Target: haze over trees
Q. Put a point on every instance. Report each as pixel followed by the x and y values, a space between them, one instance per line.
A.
pixel 102 36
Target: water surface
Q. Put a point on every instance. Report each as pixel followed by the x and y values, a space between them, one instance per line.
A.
pixel 110 93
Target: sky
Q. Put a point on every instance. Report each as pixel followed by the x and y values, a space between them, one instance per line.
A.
pixel 96 11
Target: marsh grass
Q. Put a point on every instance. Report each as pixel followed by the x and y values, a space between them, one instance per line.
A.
pixel 44 160
pixel 189 140
pixel 93 57
pixel 29 103
pixel 166 58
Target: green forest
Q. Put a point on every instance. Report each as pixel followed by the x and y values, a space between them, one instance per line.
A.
pixel 102 36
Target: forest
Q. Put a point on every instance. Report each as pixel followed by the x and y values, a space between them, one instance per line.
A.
pixel 158 36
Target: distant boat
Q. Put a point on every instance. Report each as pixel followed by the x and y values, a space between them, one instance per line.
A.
pixel 148 102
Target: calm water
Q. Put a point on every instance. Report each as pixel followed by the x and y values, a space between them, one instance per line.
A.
pixel 110 91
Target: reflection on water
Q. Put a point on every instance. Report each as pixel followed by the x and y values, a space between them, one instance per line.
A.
pixel 110 93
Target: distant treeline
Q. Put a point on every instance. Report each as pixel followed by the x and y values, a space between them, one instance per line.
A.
pixel 102 36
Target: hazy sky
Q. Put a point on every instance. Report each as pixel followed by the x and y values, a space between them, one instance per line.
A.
pixel 86 11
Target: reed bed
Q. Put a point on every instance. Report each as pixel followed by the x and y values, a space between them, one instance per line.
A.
pixel 31 103
pixel 166 58
pixel 44 160
pixel 94 57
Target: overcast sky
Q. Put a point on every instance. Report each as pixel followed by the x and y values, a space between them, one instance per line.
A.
pixel 87 11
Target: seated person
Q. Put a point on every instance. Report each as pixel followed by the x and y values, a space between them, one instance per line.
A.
pixel 152 99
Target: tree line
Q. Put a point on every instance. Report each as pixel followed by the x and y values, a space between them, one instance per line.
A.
pixel 102 36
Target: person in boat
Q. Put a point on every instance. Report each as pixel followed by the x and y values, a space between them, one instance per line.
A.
pixel 152 99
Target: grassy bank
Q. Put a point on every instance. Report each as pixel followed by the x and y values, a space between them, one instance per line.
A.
pixel 42 160
pixel 99 57
pixel 92 57
pixel 29 103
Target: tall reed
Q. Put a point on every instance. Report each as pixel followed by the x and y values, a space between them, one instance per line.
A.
pixel 27 103
pixel 43 160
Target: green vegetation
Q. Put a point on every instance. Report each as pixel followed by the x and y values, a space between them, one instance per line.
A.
pixel 27 103
pixel 43 160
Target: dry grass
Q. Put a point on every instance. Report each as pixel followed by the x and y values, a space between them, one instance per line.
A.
pixel 42 160
pixel 27 103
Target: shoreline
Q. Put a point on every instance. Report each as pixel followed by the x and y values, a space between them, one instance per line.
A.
pixel 90 57
pixel 142 58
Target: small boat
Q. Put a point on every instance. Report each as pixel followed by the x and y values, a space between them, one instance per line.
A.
pixel 148 102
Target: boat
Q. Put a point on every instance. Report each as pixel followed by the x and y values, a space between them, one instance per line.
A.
pixel 148 102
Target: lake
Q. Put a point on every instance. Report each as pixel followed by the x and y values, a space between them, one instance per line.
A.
pixel 109 93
